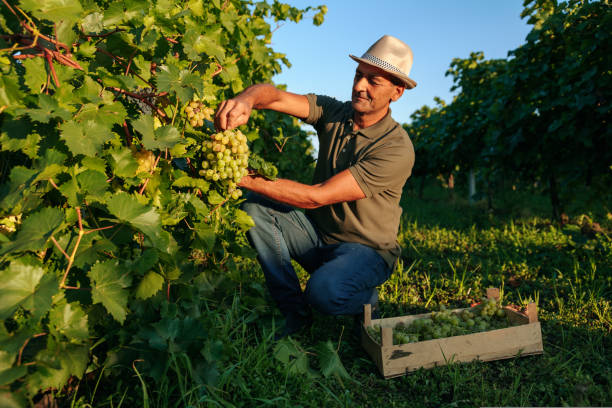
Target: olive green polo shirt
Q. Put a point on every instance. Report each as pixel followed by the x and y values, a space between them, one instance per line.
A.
pixel 380 157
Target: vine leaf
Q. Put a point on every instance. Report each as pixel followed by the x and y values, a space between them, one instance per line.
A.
pixel 54 10
pixel 149 285
pixel 35 73
pixel 288 352
pixel 161 138
pixel 56 364
pixel 243 220
pixel 142 217
pixel 84 138
pixel 48 109
pixel 330 361
pixel 27 286
pixel 35 231
pixel 123 162
pixel 108 286
pixel 68 319
pixel 206 233
pixel 182 82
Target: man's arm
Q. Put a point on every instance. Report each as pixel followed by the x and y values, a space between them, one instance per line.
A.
pixel 236 111
pixel 339 188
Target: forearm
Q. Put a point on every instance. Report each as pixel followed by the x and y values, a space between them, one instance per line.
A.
pixel 261 96
pixel 340 188
pixel 285 191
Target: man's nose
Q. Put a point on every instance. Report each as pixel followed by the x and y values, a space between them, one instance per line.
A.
pixel 359 84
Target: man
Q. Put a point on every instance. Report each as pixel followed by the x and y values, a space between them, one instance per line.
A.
pixel 347 237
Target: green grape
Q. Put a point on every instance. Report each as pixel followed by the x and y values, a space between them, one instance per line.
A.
pixel 226 155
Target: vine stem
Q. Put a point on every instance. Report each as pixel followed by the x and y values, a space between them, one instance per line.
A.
pixel 144 185
pixel 144 99
pixel 71 257
pixel 25 343
pixel 118 60
pixel 59 247
pixel 215 209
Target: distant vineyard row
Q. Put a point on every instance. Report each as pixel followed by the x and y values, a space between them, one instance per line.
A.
pixel 541 116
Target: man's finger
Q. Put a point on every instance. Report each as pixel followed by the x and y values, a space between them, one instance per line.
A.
pixel 221 117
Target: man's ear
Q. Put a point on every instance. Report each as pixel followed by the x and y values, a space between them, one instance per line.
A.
pixel 399 91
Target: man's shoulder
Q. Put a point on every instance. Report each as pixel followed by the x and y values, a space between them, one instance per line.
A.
pixel 327 108
pixel 327 102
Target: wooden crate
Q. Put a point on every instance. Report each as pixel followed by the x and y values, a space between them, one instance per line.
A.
pixel 523 339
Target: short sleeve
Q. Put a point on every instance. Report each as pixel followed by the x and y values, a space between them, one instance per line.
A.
pixel 387 166
pixel 320 109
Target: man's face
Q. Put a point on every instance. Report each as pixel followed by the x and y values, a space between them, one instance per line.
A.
pixel 372 90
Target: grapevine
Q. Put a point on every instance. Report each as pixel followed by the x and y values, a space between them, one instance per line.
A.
pixel 104 126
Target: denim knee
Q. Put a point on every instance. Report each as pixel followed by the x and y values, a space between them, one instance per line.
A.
pixel 324 295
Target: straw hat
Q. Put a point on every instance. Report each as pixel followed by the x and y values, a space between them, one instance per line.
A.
pixel 392 56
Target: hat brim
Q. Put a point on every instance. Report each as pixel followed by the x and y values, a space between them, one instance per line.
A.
pixel 408 83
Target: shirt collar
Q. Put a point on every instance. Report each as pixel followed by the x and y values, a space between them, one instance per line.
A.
pixel 379 128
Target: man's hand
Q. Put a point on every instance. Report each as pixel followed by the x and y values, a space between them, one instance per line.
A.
pixel 236 112
pixel 233 113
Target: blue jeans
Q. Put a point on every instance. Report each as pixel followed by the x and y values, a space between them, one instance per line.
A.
pixel 342 276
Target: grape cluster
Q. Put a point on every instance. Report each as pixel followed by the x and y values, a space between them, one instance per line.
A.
pixel 225 159
pixel 197 113
pixel 488 315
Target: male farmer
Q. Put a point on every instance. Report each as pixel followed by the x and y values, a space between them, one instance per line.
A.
pixel 347 237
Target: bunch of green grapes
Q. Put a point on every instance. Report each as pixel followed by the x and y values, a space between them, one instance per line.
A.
pixel 197 113
pixel 486 316
pixel 225 158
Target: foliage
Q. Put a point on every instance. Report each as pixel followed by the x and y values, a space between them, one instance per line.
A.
pixel 110 238
pixel 452 253
pixel 540 116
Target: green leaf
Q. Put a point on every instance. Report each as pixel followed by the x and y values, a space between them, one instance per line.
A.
pixel 330 361
pixel 105 115
pixel 35 231
pixel 69 320
pixel 108 283
pixel 54 10
pixel 92 23
pixel 10 95
pixel 145 261
pixel 206 233
pixel 124 164
pixel 186 181
pixel 243 220
pixel 149 285
pixel 164 137
pixel 56 364
pixel 288 352
pixel 93 184
pixel 36 73
pixel 84 138
pixel 94 163
pixel 27 286
pixel 214 197
pixel 9 375
pixel 182 82
pixel 12 399
pixel 161 138
pixel 142 217
pixel 48 109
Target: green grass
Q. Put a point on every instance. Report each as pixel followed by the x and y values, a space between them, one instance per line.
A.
pixel 452 252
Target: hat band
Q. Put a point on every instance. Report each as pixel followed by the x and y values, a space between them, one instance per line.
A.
pixel 381 63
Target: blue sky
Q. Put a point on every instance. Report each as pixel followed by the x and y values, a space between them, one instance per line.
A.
pixel 436 30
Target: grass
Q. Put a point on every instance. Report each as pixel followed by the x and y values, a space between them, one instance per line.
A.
pixel 452 251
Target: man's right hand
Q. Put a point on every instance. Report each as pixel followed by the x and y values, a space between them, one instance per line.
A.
pixel 232 113
pixel 236 111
